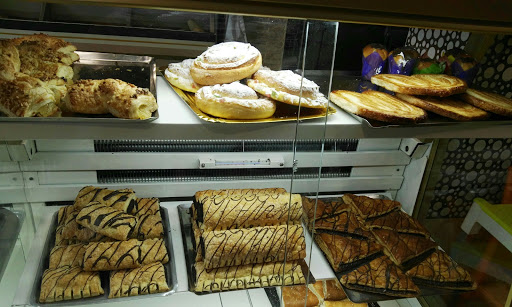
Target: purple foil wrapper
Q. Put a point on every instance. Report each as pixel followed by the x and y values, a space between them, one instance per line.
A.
pixel 403 67
pixel 373 65
pixel 466 75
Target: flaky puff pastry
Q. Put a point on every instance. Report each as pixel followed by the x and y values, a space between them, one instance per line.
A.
pixel 69 283
pixel 107 256
pixel 123 199
pixel 9 60
pixel 70 255
pixel 153 250
pixel 119 98
pixel 149 226
pixel 147 279
pixel 107 221
pixel 145 206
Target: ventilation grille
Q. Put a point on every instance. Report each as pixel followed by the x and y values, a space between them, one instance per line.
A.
pixel 331 145
pixel 165 175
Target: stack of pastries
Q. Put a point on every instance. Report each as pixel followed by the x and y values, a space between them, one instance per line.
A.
pixel 323 293
pixel 106 231
pixel 375 247
pixel 243 237
pixel 217 76
pixel 36 79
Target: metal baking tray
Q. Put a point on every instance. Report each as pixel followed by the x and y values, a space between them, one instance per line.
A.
pixel 10 226
pixel 138 70
pixel 283 112
pixel 190 256
pixel 357 296
pixel 170 271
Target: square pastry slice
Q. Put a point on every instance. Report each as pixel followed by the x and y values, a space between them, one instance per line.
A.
pixel 405 250
pixel 344 222
pixel 324 209
pixel 440 271
pixel 380 276
pixel 70 255
pixel 147 279
pixel 344 252
pixel 69 283
pixel 367 207
pixel 398 221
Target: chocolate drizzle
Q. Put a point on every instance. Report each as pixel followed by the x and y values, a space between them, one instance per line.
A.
pixel 118 199
pixel 66 283
pixel 107 221
pixel 144 280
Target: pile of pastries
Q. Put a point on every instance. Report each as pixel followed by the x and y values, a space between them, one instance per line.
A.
pixel 217 76
pixel 323 293
pixel 110 231
pixel 375 247
pixel 36 79
pixel 241 239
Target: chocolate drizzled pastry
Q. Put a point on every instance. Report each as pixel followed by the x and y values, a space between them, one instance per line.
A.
pixel 198 240
pixel 147 279
pixel 74 232
pixel 324 209
pixel 108 256
pixel 71 255
pixel 63 214
pixel 143 206
pixel 405 250
pixel 69 283
pixel 253 245
pixel 344 222
pixel 148 226
pixel 367 207
pixel 380 276
pixel 118 199
pixel 248 276
pixel 440 271
pixel 398 221
pixel 107 221
pixel 344 252
pixel 231 209
pixel 153 250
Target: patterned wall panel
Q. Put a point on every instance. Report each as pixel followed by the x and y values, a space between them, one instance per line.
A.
pixel 435 42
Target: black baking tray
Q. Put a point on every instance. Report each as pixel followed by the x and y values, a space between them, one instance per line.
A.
pixel 170 271
pixel 190 256
pixel 10 226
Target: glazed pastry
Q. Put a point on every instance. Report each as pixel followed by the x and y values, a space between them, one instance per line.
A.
pixel 107 256
pixel 490 102
pixel 367 207
pixel 345 223
pixel 71 255
pixel 380 276
pixel 440 271
pixel 405 250
pixel 147 279
pixel 426 84
pixel 295 296
pixel 398 221
pixel 107 221
pixel 63 214
pixel 69 283
pixel 333 291
pixel 324 209
pixel 9 60
pixel 374 60
pixel 178 74
pixel 123 199
pixel 231 209
pixel 248 276
pixel 145 206
pixel 73 231
pixel 253 245
pixel 288 87
pixel 233 101
pixel 225 63
pixel 345 252
pixel 153 250
pixel 148 226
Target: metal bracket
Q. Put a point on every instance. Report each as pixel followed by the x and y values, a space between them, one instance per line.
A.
pixel 414 148
pixel 21 150
pixel 246 163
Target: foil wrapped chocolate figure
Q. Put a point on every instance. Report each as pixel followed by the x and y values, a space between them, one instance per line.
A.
pixel 428 66
pixel 460 64
pixel 402 60
pixel 374 60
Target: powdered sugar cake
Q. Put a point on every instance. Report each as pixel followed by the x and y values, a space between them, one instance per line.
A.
pixel 424 84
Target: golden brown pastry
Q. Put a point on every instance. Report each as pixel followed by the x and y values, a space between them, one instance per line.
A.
pixel 69 283
pixel 178 74
pixel 345 223
pixel 198 243
pixel 488 101
pixel 231 209
pixel 344 303
pixel 63 214
pixel 440 271
pixel 147 279
pixel 295 296
pixel 9 60
pixel 380 276
pixel 248 276
pixel 73 231
pixel 145 206
pixel 148 226
pixel 153 250
pixel 123 199
pixel 253 245
pixel 71 255
pixel 398 221
pixel 367 207
pixel 333 290
pixel 423 84
pixel 119 98
pixel 107 256
pixel 225 63
pixel 323 209
pixel 107 221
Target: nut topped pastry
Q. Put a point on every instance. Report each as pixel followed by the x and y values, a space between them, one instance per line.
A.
pixel 9 60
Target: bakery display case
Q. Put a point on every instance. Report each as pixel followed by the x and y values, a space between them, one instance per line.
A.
pixel 263 153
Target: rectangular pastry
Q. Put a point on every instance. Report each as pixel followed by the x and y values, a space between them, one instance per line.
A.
pixel 440 271
pixel 324 209
pixel 248 276
pixel 398 221
pixel 149 226
pixel 107 221
pixel 231 209
pixel 344 222
pixel 367 207
pixel 146 206
pixel 380 276
pixel 70 255
pixel 147 279
pixel 107 256
pixel 69 283
pixel 153 250
pixel 344 252
pixel 295 296
pixel 253 245
pixel 123 199
pixel 73 231
pixel 405 250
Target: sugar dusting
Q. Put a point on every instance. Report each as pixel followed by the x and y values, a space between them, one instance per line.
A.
pixel 227 55
pixel 288 79
pixel 234 93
